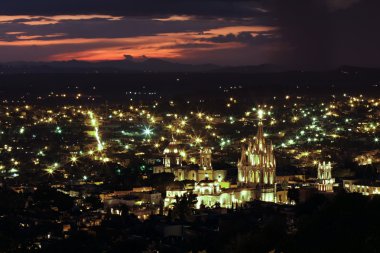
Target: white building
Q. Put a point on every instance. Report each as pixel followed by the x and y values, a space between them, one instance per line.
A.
pixel 173 160
pixel 325 180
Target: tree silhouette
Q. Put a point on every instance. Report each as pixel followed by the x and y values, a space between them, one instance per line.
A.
pixel 183 207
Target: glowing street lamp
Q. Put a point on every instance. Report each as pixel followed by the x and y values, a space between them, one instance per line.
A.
pixel 50 170
pixel 73 159
pixel 198 140
pixel 147 131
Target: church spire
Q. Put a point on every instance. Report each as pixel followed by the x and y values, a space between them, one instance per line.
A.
pixel 260 130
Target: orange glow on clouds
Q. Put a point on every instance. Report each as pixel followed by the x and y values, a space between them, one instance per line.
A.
pixel 239 29
pixel 165 45
pixel 115 53
pixel 175 18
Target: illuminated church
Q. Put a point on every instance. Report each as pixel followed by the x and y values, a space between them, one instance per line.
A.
pixel 256 176
pixel 325 180
pixel 257 166
pixel 173 162
pixel 173 157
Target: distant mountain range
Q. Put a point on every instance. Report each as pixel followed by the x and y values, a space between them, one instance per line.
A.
pixel 127 65
pixel 149 65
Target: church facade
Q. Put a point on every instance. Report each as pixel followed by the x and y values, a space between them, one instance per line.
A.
pixel 257 167
pixel 325 180
pixel 173 163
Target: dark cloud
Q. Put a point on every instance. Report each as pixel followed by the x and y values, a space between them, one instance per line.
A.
pixel 236 8
pixel 126 27
pixel 244 37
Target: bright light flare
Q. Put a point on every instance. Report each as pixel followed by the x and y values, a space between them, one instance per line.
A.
pixel 260 114
pixel 73 159
pixel 147 131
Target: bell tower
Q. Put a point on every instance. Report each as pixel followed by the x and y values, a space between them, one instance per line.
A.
pixel 205 159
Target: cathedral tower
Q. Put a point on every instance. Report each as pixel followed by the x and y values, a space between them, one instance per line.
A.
pixel 257 165
pixel 205 159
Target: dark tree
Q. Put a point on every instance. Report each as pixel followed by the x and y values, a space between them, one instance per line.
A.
pixel 183 207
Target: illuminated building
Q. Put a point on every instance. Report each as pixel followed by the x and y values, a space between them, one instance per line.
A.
pixel 171 193
pixel 368 158
pixel 142 201
pixel 325 181
pixel 205 159
pixel 362 187
pixel 257 167
pixel 256 177
pixel 173 163
pixel 211 194
pixel 172 158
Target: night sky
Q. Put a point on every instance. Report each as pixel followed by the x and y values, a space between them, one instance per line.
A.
pixel 293 33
